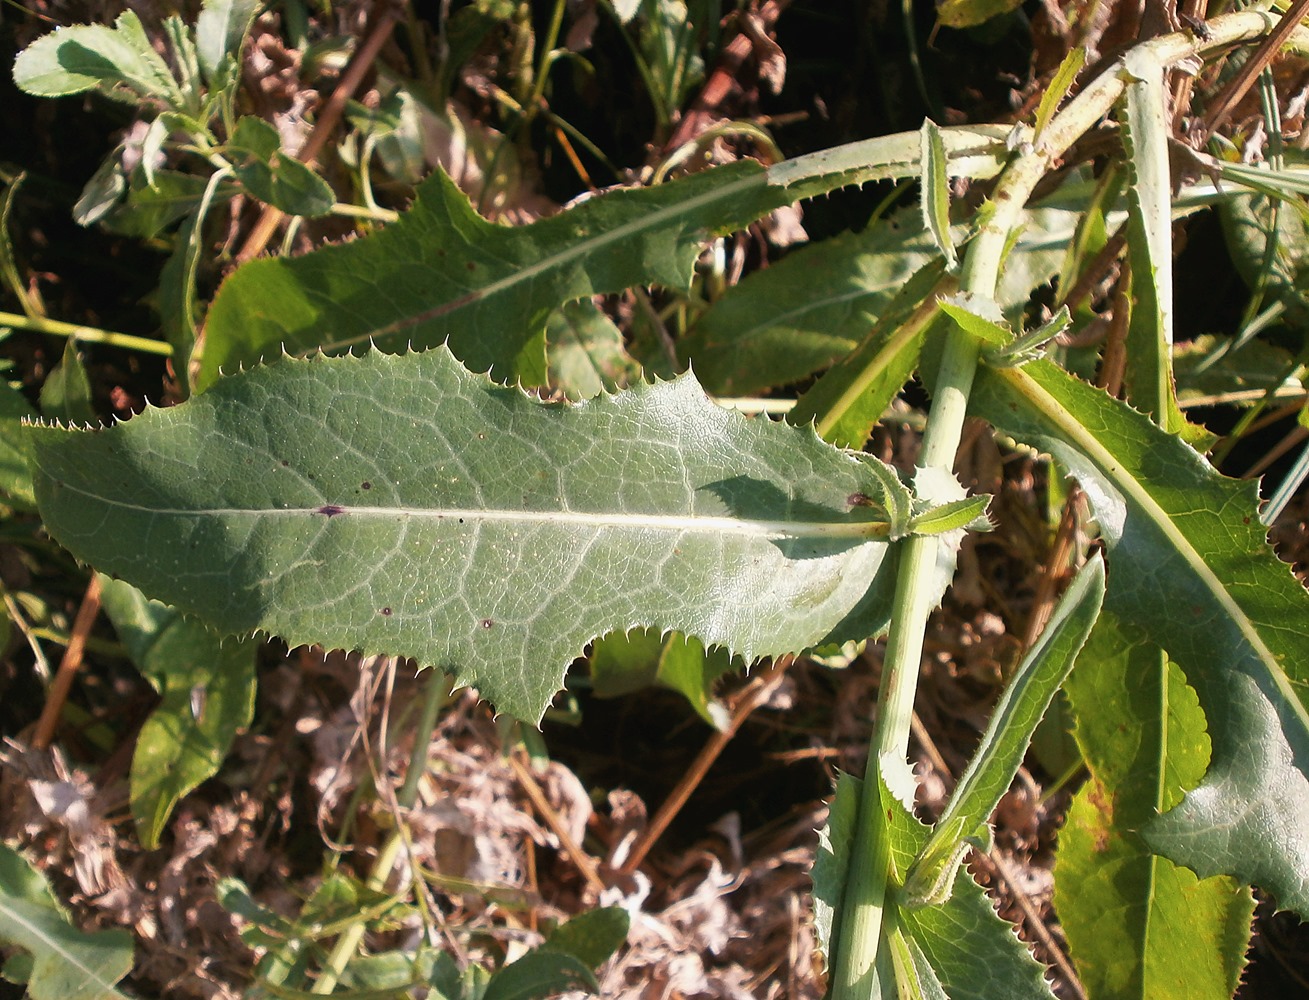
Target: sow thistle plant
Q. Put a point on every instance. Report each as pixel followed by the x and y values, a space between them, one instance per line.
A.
pixel 360 467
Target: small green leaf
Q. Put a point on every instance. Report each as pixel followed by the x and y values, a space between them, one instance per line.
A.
pixel 629 661
pixel 970 513
pixel 207 688
pixel 592 936
pixel 103 191
pixel 150 208
pixel 15 472
pixel 934 190
pixel 539 974
pixel 66 963
pixel 219 31
pixel 1060 84
pixel 82 57
pixel 584 350
pixel 455 511
pixel 66 394
pixel 272 175
pixel 978 317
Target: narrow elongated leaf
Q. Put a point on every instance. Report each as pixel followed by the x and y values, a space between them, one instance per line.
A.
pixel 1060 85
pixel 1190 569
pixel 934 190
pixel 442 274
pixel 207 688
pixel 1024 702
pixel 400 504
pixel 971 952
pixel 1139 926
pixel 66 963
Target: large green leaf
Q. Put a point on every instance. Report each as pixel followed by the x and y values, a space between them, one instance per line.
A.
pixel 1139 926
pixel 65 963
pixel 401 504
pixel 973 953
pixel 443 274
pixel 1190 569
pixel 207 687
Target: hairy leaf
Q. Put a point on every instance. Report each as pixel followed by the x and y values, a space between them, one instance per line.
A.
pixel 66 963
pixel 1138 925
pixel 443 274
pixel 400 504
pixel 1190 570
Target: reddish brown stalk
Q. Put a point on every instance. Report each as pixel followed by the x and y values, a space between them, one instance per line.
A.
pixel 583 861
pixel 327 121
pixel 58 694
pixel 751 697
pixel 700 114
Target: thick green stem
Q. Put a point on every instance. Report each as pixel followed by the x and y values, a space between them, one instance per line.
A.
pixel 854 975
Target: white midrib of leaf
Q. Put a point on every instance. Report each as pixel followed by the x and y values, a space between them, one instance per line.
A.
pixel 55 945
pixel 672 523
pixel 1075 433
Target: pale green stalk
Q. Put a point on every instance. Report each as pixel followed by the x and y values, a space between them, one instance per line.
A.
pixel 86 334
pixel 854 974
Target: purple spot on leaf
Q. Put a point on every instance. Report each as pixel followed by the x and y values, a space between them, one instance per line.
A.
pixel 331 510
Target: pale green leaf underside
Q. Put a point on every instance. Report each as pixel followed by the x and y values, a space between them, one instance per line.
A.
pixel 1190 569
pixel 399 504
pixel 68 964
